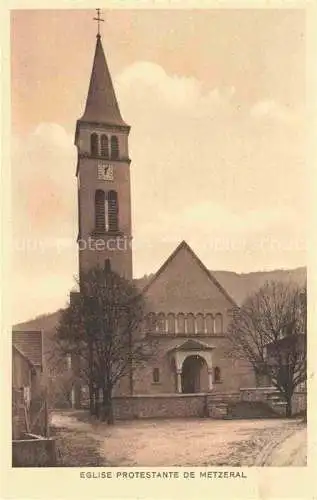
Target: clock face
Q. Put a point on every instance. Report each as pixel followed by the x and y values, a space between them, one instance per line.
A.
pixel 105 172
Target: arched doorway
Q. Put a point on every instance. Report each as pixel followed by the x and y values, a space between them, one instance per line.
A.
pixel 194 375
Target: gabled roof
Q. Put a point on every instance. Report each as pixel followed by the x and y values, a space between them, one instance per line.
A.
pixel 16 349
pixel 101 104
pixel 192 345
pixel 30 345
pixel 184 245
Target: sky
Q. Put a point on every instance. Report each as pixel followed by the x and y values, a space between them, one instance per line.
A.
pixel 216 104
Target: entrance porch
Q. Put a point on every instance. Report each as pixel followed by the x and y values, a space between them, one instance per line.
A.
pixel 192 362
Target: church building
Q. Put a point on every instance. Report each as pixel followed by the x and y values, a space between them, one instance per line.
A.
pixel 188 311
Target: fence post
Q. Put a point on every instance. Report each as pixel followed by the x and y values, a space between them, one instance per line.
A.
pixel 46 416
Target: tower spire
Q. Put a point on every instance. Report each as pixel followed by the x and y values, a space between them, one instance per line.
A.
pixel 99 20
pixel 101 103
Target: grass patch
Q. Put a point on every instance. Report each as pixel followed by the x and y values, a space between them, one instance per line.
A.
pixel 77 448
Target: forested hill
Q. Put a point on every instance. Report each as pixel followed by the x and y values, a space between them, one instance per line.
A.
pixel 239 286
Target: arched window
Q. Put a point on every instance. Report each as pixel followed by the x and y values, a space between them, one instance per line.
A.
pixel 218 323
pixel 209 323
pixel 161 323
pixel 104 146
pixel 151 322
pixel 217 375
pixel 171 323
pixel 100 216
pixel 113 211
pixel 94 144
pixel 190 323
pixel 181 323
pixel 114 147
pixel 200 323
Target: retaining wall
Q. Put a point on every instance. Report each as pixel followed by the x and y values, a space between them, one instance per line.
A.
pixel 249 402
pixel 34 451
pixel 160 406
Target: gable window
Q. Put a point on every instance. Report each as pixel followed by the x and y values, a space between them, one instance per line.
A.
pixel 156 375
pixel 104 147
pixel 200 323
pixel 181 323
pixel 151 322
pixel 190 323
pixel 209 323
pixel 161 323
pixel 171 323
pixel 100 211
pixel 217 375
pixel 94 144
pixel 114 147
pixel 218 323
pixel 113 210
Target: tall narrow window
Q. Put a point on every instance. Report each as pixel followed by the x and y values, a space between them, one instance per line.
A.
pixel 217 375
pixel 218 323
pixel 69 361
pixel 156 375
pixel 209 323
pixel 171 323
pixel 114 147
pixel 100 216
pixel 181 323
pixel 104 146
pixel 107 266
pixel 161 323
pixel 200 323
pixel 113 210
pixel 190 320
pixel 94 144
pixel 151 322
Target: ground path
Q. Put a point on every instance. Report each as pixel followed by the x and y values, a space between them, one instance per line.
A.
pixel 184 442
pixel 290 452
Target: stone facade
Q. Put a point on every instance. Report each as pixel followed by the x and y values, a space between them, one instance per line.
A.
pixel 182 297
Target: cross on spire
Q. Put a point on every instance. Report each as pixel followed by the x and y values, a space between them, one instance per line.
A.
pixel 99 20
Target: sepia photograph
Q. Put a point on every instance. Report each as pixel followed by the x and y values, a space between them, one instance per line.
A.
pixel 159 222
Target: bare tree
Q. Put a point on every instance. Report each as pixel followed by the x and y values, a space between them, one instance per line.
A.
pixel 102 329
pixel 269 331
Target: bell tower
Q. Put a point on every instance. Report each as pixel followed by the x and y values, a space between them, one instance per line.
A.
pixel 103 176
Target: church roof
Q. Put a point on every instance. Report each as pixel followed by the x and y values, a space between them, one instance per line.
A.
pixel 101 104
pixel 181 246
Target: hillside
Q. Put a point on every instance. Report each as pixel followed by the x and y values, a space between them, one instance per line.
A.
pixel 239 286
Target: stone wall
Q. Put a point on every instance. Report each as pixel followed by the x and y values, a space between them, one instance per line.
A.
pixel 247 403
pixel 299 402
pixel 274 399
pixel 34 451
pixel 160 406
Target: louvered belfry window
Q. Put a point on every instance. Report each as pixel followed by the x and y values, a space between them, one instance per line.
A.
pixel 94 144
pixel 104 147
pixel 113 210
pixel 114 147
pixel 100 216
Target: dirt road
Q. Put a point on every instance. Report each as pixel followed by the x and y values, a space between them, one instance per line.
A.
pixel 191 442
pixel 290 452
